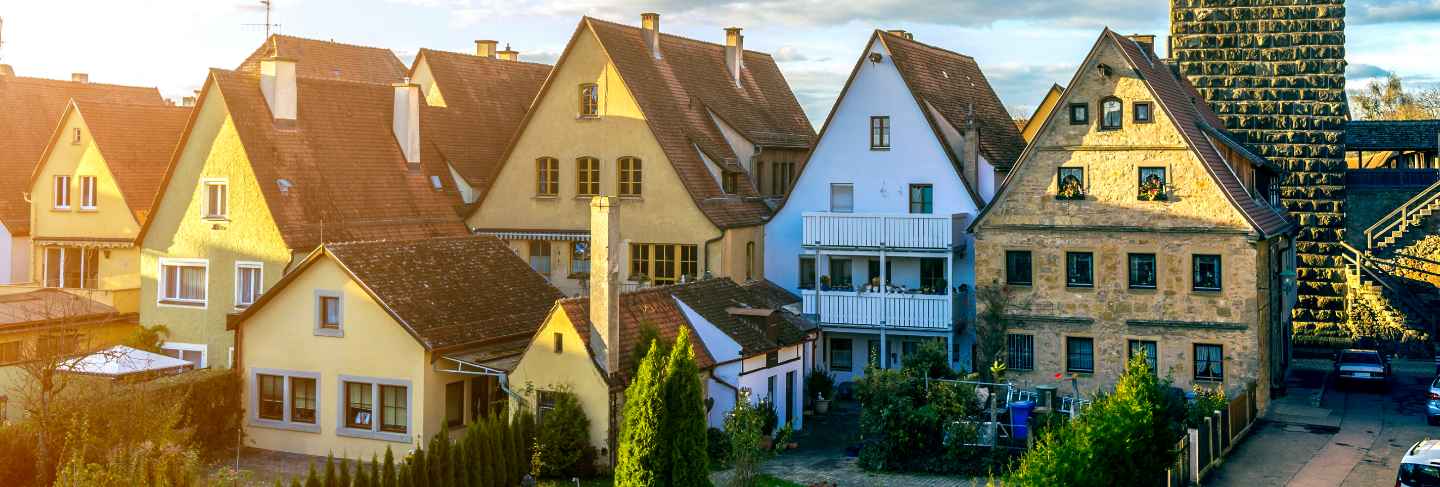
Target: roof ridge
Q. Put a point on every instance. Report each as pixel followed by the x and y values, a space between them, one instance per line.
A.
pixel 478 58
pixel 922 44
pixel 332 41
pixel 79 83
pixel 674 36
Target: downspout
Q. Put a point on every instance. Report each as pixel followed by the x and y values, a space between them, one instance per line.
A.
pixel 726 384
pixel 706 245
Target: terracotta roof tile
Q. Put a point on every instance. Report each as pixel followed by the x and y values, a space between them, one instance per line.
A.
pixel 329 60
pixel 137 142
pixel 31 110
pixel 485 99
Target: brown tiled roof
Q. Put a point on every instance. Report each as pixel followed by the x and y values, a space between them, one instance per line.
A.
pixel 348 178
pixel 771 295
pixel 678 92
pixel 485 99
pixel 329 60
pixel 954 84
pixel 137 142
pixel 49 306
pixel 30 109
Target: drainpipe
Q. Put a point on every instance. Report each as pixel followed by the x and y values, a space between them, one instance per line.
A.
pixel 706 245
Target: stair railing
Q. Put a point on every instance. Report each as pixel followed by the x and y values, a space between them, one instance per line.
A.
pixel 1362 264
pixel 1398 218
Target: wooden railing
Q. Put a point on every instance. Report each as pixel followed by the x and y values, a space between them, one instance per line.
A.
pixel 895 310
pixel 874 230
pixel 1399 218
pixel 1391 178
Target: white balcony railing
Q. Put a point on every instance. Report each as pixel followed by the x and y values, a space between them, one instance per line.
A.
pixel 905 231
pixel 922 311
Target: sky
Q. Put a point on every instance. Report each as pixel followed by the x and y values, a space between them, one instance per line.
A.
pixel 1023 46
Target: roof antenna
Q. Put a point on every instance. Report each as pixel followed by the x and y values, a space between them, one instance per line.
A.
pixel 267 24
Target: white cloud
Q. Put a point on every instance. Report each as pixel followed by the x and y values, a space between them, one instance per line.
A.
pixel 790 54
pixel 1391 11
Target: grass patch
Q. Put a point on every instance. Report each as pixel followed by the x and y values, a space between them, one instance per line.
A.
pixel 772 481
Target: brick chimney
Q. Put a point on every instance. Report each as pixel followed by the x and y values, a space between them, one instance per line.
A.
pixel 406 122
pixel 605 262
pixel 650 28
pixel 734 53
pixel 509 54
pixel 80 77
pixel 902 34
pixel 485 48
pixel 277 83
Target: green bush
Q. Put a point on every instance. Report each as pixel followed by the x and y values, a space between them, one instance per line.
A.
pixel 930 360
pixel 769 418
pixel 717 445
pixel 562 447
pixel 641 458
pixel 820 383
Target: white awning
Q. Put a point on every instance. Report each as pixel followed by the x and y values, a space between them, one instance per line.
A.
pixel 119 361
pixel 564 235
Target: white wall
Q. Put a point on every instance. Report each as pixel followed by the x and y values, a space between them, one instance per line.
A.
pixel 756 378
pixel 895 343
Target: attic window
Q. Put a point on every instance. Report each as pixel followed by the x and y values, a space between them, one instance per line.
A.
pixel 731 182
pixel 1079 114
pixel 435 183
pixel 1143 112
pixel 75 136
pixel 1111 113
pixel 589 100
pixel 284 185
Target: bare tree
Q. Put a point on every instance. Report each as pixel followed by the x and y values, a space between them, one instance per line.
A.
pixel 995 302
pixel 1388 100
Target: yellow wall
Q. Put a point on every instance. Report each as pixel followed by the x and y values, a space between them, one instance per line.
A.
pixel 1047 105
pixel 213 150
pixel 573 369
pixel 664 214
pixel 13 377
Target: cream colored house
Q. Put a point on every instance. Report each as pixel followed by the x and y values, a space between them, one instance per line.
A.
pixel 379 344
pixel 699 139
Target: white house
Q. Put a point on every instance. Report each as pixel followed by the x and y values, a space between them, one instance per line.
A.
pixel 914 147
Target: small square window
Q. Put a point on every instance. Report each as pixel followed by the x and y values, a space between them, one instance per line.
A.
pixel 1142 271
pixel 329 314
pixel 1070 183
pixel 1019 352
pixel 1142 112
pixel 1017 268
pixel 1152 184
pixel 1207 272
pixel 730 182
pixel 841 354
pixel 842 197
pixel 922 198
pixel 1080 354
pixel 1147 347
pixel 879 133
pixel 1079 269
pixel 1209 362
pixel 1079 114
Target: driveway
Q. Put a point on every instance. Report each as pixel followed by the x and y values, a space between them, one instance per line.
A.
pixel 1353 437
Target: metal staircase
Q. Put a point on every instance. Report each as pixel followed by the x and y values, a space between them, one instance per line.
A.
pixel 1393 226
pixel 1402 302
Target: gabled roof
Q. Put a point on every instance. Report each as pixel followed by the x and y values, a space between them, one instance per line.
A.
pixel 485 100
pixel 31 110
pixel 51 307
pixel 329 60
pixel 1377 135
pixel 1193 120
pixel 449 293
pixel 136 142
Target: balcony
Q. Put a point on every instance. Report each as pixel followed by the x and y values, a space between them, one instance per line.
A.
pixel 904 311
pixel 877 230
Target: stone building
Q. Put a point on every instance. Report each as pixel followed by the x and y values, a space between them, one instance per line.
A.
pixel 1274 73
pixel 1132 222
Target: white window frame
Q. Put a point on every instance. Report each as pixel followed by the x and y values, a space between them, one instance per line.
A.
pixel 60 186
pixel 45 268
pixel 89 193
pixel 320 310
pixel 287 423
pixel 377 412
pixel 259 281
pixel 160 298
pixel 190 347
pixel 208 213
pixel 833 186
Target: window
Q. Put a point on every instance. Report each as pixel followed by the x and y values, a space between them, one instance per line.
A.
pixel 217 200
pixel 247 283
pixel 1080 354
pixel 1209 362
pixel 376 408
pixel 842 197
pixel 359 405
pixel 579 258
pixel 1017 267
pixel 772 359
pixel 540 256
pixel 1079 114
pixel 807 272
pixel 689 262
pixel 559 339
pixel 1142 112
pixel 1079 269
pixel 1147 347
pixel 880 133
pixel 922 198
pixel 932 276
pixel 1152 184
pixel 657 263
pixel 730 182
pixel 183 282
pixel 873 276
pixel 908 348
pixel 780 178
pixel 1111 113
pixel 87 192
pixel 545 403
pixel 749 261
pixel 1070 183
pixel 486 397
pixel 62 192
pixel 1207 272
pixel 10 352
pixel 302 399
pixel 587 176
pixel 630 178
pixel 840 278
pixel 547 176
pixel 329 313
pixel 284 399
pixel 1019 351
pixel 75 136
pixel 455 404
pixel 1142 271
pixel 272 396
pixel 841 354
pixel 589 100
pixel 72 267
pixel 189 352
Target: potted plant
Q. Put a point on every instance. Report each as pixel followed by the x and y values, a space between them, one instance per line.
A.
pixel 1152 189
pixel 824 283
pixel 822 384
pixel 1070 189
pixel 770 419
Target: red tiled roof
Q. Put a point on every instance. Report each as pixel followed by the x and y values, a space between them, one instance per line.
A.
pixel 329 60
pixel 136 142
pixel 31 110
pixel 485 100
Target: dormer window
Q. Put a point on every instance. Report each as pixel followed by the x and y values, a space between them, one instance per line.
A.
pixel 1111 113
pixel 1079 114
pixel 730 182
pixel 589 100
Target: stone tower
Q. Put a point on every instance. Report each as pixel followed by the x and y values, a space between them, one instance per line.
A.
pixel 1274 71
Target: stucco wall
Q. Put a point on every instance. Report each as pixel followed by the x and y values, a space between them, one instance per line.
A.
pixel 111 218
pixel 7 257
pixel 755 377
pixel 541 368
pixel 13 379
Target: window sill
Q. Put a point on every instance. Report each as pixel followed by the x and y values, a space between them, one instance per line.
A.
pixel 330 332
pixel 1206 290
pixel 373 435
pixel 586 197
pixel 60 209
pixel 283 425
pixel 583 117
pixel 578 275
pixel 89 210
pixel 1209 381
pixel 1081 122
pixel 631 197
pixel 181 304
pixel 880 149
pixel 1079 373
pixel 1020 284
pixel 1080 286
pixel 1142 288
pixel 217 219
pixel 546 197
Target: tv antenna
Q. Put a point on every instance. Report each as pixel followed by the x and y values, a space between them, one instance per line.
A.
pixel 268 7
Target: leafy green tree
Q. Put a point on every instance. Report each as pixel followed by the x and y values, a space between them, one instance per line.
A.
pixel 930 360
pixel 564 440
pixel 684 417
pixel 641 458
pixel 743 426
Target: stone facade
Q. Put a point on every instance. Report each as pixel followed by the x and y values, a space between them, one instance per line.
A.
pixel 1274 72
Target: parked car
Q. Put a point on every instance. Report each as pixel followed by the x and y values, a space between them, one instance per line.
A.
pixel 1361 366
pixel 1432 402
pixel 1419 468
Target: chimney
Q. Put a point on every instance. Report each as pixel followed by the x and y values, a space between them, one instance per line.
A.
pixel 277 83
pixel 6 70
pixel 485 48
pixel 734 53
pixel 406 123
pixel 970 157
pixel 605 262
pixel 188 101
pixel 902 34
pixel 80 77
pixel 1146 42
pixel 509 54
pixel 650 27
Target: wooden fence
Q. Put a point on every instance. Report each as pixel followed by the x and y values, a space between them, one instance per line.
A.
pixel 1206 445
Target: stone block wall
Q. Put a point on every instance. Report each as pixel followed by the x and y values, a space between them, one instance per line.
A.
pixel 1274 72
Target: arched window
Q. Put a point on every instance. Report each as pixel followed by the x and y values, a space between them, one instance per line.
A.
pixel 630 178
pixel 1111 113
pixel 587 176
pixel 547 176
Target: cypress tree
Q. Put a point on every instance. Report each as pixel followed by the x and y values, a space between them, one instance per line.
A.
pixel 503 472
pixel 389 475
pixel 294 482
pixel 362 477
pixel 330 479
pixel 344 468
pixel 375 478
pixel 403 476
pixel 459 465
pixel 487 456
pixel 641 456
pixel 684 417
pixel 527 439
pixel 419 468
pixel 311 479
pixel 439 461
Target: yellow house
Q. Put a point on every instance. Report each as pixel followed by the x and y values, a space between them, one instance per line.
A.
pixel 1047 105
pixel 378 344
pixel 316 142
pixel 699 139
pixel 46 323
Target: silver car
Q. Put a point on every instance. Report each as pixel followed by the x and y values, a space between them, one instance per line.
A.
pixel 1361 366
pixel 1421 466
pixel 1432 403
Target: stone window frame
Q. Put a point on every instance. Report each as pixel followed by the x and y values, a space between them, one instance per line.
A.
pixel 1159 350
pixel 1149 110
pixel 1120 122
pixel 1220 267
pixel 1079 252
pixel 1070 113
pixel 1065 354
pixel 1194 358
pixel 1029 283
pixel 1060 181
pixel 1130 283
pixel 321 328
pixel 287 422
pixel 1012 362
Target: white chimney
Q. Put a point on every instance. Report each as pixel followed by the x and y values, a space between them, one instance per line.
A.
pixel 188 101
pixel 734 53
pixel 80 77
pixel 605 262
pixel 650 27
pixel 277 83
pixel 485 48
pixel 406 123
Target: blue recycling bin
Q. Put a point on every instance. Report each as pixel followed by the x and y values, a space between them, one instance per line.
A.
pixel 1020 418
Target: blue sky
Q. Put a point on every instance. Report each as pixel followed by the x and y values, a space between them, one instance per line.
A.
pixel 1022 45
